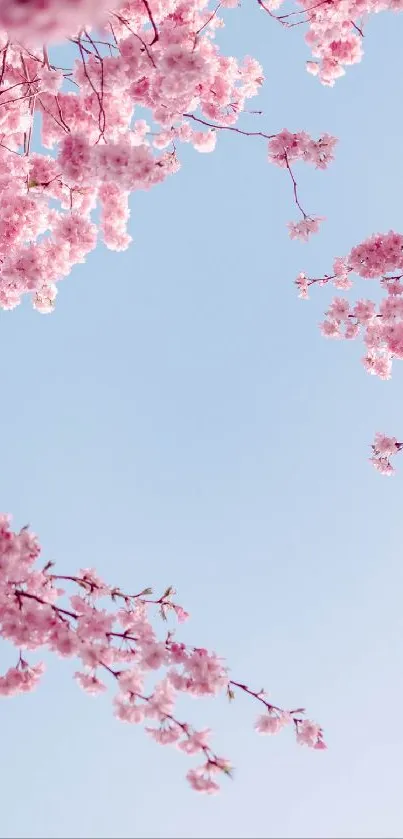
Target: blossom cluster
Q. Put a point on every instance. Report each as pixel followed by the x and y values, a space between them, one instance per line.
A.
pixel 380 325
pixel 113 637
pixel 383 449
pixel 335 30
pixel 159 57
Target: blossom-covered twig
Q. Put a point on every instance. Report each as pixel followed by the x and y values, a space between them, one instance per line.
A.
pixel 112 634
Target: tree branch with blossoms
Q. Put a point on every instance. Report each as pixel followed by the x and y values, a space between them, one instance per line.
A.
pixel 162 58
pixel 335 31
pixel 119 640
pixel 381 327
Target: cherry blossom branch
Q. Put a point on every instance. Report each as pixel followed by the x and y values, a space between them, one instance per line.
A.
pixel 120 641
pixel 229 128
pixel 212 16
pixel 259 695
pixel 101 155
pixel 281 145
pixel 151 19
pixel 378 258
pixel 145 46
pixel 283 19
pixel 295 188
pixel 383 448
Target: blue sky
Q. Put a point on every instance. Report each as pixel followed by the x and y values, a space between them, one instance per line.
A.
pixel 180 420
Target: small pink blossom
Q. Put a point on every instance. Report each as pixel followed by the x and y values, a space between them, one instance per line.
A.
pixel 96 585
pixel 378 364
pixel 204 141
pixel 181 614
pixel 339 309
pixel 271 723
pixel 89 682
pixel 312 67
pixel 308 733
pixel 304 229
pixel 153 656
pixel 394 287
pixel 352 330
pixel 22 679
pixel 364 311
pixel 201 781
pixel 386 446
pixel 342 282
pixel 330 329
pixel 131 680
pixel 195 742
pixel 129 711
pixel 382 465
pixel 302 284
pixel 50 80
pixel 165 736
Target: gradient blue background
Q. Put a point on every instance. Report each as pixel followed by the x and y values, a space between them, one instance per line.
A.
pixel 179 419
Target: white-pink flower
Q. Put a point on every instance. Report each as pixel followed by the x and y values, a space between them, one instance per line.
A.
pixel 272 723
pixel 308 733
pixel 304 229
pixel 195 742
pixel 89 682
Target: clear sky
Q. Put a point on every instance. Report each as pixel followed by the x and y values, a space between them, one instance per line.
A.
pixel 180 420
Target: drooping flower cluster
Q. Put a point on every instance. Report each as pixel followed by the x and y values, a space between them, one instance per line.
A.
pixel 112 635
pixel 383 449
pixel 335 30
pixel 286 148
pixel 304 228
pixel 159 56
pixel 335 27
pixel 381 326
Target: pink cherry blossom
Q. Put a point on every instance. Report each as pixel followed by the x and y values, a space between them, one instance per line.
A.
pixel 309 734
pixel 272 723
pixel 40 609
pixel 90 683
pixel 304 229
pixel 201 781
pixel 383 449
pixel 335 32
pixel 364 311
pixel 195 742
pixel 302 284
pixel 379 324
pixel 286 148
pixel 165 736
pixel 164 58
pixel 181 615
pixel 330 329
pixel 382 465
pixel 20 679
pixel 339 309
pixel 386 446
